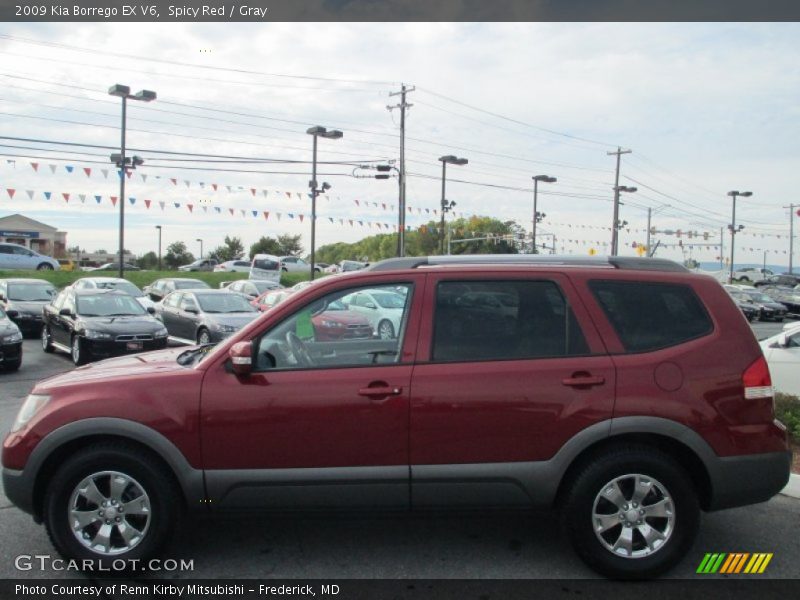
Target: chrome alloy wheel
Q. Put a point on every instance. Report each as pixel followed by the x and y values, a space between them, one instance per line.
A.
pixel 109 512
pixel 633 516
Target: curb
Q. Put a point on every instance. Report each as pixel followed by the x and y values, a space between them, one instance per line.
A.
pixel 792 488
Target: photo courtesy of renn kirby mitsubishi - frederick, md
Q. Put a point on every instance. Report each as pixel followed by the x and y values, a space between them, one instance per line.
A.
pixel 628 394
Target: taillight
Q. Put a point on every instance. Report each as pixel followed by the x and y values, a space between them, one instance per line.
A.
pixel 756 380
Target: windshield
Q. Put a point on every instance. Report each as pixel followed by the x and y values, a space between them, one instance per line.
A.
pixel 30 292
pixel 389 300
pixel 108 305
pixel 189 284
pixel 122 286
pixel 224 303
pixel 760 297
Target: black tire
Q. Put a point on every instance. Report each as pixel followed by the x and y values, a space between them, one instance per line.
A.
pixel 745 278
pixel 143 472
pixel 79 352
pixel 12 365
pixel 47 340
pixel 44 267
pixel 594 477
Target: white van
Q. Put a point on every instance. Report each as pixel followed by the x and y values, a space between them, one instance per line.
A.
pixel 266 266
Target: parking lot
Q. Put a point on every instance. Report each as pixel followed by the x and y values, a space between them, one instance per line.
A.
pixel 473 545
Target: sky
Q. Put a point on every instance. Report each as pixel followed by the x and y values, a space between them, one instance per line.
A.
pixel 705 108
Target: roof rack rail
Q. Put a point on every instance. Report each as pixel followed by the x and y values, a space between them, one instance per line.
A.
pixel 619 262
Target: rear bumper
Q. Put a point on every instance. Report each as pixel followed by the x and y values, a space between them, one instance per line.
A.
pixel 743 480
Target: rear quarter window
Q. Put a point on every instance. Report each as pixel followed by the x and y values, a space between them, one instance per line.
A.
pixel 649 316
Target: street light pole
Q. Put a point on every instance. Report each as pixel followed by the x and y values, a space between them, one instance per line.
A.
pixel 159 246
pixel 447 206
pixel 733 194
pixel 536 216
pixel 334 134
pixel 201 246
pixel 124 92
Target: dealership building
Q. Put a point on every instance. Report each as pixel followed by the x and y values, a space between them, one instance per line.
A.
pixel 39 237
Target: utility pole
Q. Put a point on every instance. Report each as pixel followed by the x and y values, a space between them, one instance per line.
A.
pixel 649 216
pixel 721 247
pixel 401 201
pixel 614 230
pixel 791 208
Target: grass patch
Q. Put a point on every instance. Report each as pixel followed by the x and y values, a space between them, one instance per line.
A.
pixel 61 279
pixel 787 411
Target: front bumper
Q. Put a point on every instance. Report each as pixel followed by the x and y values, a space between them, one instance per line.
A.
pixel 30 325
pixel 19 490
pixel 107 349
pixel 10 352
pixel 743 480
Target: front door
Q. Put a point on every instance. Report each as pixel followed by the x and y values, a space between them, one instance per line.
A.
pixel 508 370
pixel 317 424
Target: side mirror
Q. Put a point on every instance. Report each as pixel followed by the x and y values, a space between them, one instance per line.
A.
pixel 783 341
pixel 151 310
pixel 370 305
pixel 241 358
pixel 65 312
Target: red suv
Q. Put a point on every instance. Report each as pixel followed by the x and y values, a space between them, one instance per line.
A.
pixel 629 394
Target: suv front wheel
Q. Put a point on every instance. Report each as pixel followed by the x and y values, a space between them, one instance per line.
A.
pixel 631 512
pixel 110 502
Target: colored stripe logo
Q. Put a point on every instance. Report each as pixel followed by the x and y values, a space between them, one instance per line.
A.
pixel 734 563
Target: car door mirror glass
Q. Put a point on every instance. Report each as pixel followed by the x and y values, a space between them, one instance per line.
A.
pixel 65 312
pixel 240 355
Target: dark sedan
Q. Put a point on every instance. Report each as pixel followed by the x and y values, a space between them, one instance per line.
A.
pixel 750 311
pixel 204 316
pixel 23 300
pixel 785 279
pixel 161 287
pixel 10 343
pixel 789 297
pixel 94 324
pixel 769 309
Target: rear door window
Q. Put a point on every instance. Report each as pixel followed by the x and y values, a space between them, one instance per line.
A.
pixel 648 316
pixel 504 320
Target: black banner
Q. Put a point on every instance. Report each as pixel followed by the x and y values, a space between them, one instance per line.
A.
pixel 397 10
pixel 397 589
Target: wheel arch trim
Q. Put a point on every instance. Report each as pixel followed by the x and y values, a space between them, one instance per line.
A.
pixel 189 479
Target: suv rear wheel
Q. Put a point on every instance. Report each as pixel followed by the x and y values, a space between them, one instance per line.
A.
pixel 110 502
pixel 631 513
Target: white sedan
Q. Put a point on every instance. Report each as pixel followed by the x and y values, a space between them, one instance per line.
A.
pixel 383 308
pixel 782 352
pixel 233 266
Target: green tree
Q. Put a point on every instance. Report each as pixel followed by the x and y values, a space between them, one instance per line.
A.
pixel 290 244
pixel 231 249
pixel 177 255
pixel 147 261
pixel 265 245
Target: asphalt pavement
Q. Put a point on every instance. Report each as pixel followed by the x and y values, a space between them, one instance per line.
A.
pixel 501 546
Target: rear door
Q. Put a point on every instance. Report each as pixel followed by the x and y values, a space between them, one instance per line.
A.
pixel 496 391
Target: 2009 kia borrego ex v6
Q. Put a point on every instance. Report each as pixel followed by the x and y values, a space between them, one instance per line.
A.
pixel 628 394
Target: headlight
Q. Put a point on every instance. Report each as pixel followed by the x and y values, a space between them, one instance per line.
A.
pixel 33 404
pixel 96 335
pixel 326 323
pixel 161 333
pixel 225 328
pixel 12 338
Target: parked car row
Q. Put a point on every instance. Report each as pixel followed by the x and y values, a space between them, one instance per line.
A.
pixel 756 304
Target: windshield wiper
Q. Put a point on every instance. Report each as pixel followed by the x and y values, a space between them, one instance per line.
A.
pixel 187 357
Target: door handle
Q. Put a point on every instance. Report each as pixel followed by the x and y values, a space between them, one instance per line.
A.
pixel 380 392
pixel 584 381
